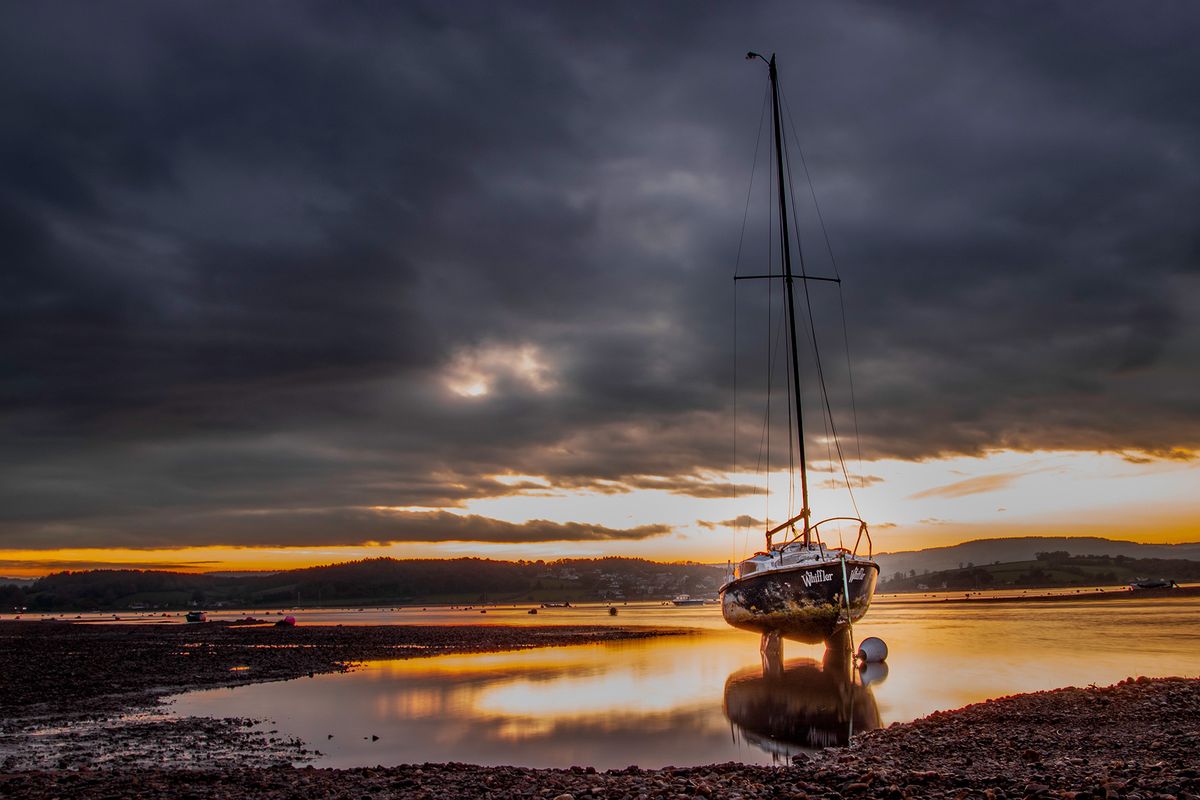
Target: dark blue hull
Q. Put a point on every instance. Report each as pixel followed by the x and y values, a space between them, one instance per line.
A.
pixel 805 603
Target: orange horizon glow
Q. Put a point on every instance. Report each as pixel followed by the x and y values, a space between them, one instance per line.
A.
pixel 199 560
pixel 911 506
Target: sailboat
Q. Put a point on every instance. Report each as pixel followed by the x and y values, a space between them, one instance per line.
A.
pixel 798 587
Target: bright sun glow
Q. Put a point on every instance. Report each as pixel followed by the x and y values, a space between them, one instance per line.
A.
pixel 477 371
pixel 477 389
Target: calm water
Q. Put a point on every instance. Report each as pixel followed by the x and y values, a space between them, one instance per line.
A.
pixel 700 698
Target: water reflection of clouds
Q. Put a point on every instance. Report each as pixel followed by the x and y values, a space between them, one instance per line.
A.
pixel 563 682
pixel 622 691
pixel 412 703
pixel 655 702
pixel 526 695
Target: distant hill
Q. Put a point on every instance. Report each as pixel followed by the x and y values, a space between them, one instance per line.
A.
pixel 1050 569
pixel 1026 548
pixel 378 581
pixel 389 581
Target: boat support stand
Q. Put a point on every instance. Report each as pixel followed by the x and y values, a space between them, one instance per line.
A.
pixel 771 650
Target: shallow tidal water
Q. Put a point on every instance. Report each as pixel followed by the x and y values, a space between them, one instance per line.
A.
pixel 703 697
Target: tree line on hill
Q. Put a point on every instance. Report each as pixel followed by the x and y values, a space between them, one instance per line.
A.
pixel 370 581
pixel 1047 570
pixel 1024 548
pixel 381 581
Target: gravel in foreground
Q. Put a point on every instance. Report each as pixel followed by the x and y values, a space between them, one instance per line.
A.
pixel 1138 739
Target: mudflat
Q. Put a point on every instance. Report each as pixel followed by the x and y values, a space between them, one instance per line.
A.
pixel 55 668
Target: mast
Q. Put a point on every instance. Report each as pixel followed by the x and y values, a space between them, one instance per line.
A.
pixel 791 301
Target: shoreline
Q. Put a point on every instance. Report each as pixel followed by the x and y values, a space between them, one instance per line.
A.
pixel 1036 595
pixel 1061 595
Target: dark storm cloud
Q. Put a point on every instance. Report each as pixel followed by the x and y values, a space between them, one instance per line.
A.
pixel 319 526
pixel 246 253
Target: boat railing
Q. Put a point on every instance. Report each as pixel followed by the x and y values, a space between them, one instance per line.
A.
pixel 814 531
pixel 862 531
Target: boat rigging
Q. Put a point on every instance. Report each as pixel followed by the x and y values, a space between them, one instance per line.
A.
pixel 798 589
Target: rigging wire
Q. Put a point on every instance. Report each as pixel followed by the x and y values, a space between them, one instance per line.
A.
pixel 812 326
pixel 770 355
pixel 841 296
pixel 773 358
pixel 791 495
pixel 739 547
pixel 832 426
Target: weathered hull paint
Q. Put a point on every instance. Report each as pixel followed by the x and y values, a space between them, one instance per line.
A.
pixel 804 603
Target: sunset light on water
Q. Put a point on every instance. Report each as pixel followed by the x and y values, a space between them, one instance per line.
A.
pixel 666 701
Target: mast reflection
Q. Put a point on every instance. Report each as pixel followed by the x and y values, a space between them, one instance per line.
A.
pixel 803 704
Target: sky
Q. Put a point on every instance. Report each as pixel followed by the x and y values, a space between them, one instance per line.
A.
pixel 291 283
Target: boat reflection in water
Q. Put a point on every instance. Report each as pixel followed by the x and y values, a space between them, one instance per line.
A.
pixel 803 705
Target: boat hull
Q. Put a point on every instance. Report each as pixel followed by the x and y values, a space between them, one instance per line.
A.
pixel 804 603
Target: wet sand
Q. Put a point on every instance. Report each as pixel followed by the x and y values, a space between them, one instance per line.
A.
pixel 54 669
pixel 1137 739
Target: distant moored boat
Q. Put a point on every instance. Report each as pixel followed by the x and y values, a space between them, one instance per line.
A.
pixel 1147 583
